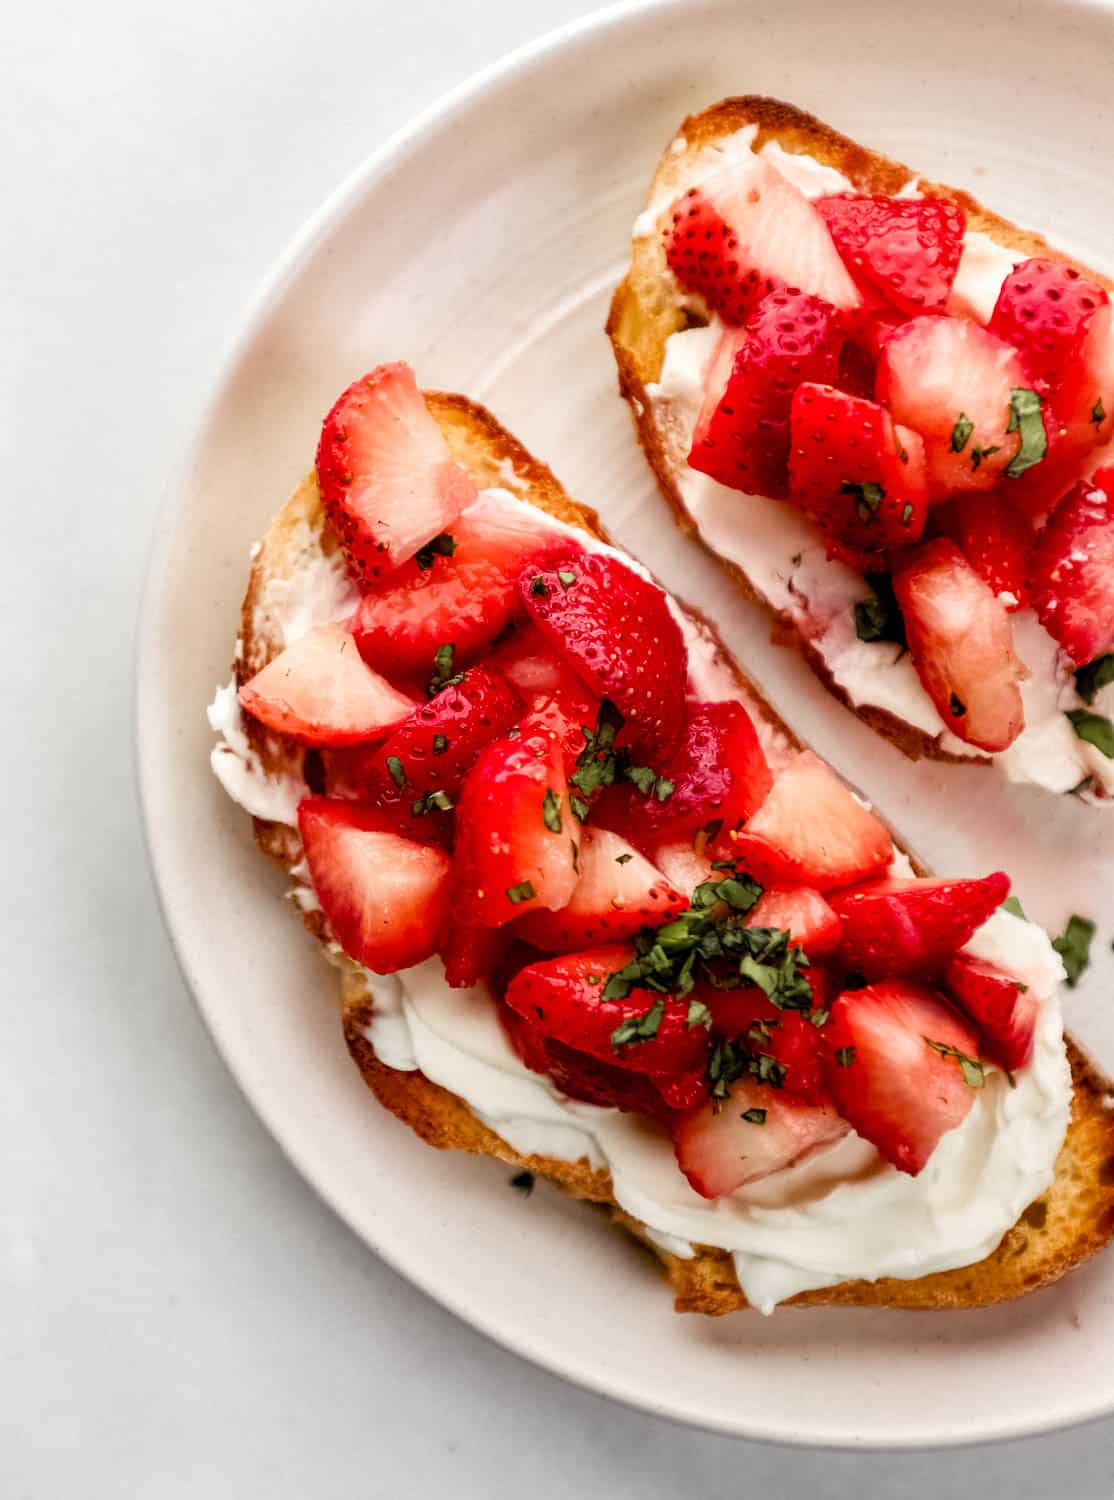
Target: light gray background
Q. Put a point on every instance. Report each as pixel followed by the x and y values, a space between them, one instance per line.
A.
pixel 179 1315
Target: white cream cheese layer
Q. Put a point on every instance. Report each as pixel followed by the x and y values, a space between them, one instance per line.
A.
pixel 843 1213
pixel 783 555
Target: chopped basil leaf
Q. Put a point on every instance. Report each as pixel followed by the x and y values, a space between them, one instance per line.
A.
pixel 623 859
pixel 538 588
pixel 957 706
pixel 566 578
pixel 523 1182
pixel 698 1015
pixel 429 800
pixel 906 514
pixel 663 788
pixel 594 978
pixel 820 1017
pixel 972 1070
pixel 523 891
pixel 978 454
pixel 1074 947
pixel 551 811
pixel 754 1116
pixel 440 744
pixel 441 546
pixel 1026 419
pixel 961 432
pixel 597 763
pixel 397 770
pixel 1094 676
pixel 1012 904
pixel 635 1029
pixel 1098 413
pixel 712 830
pixel 575 855
pixel 879 618
pixel 869 497
pixel 845 1056
pixel 580 808
pixel 443 671
pixel 643 778
pixel 1094 729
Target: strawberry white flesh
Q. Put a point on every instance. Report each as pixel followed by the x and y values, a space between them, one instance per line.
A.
pixel 952 381
pixel 961 642
pixel 720 1149
pixel 388 481
pixel 319 692
pixel 898 1091
pixel 386 898
pixel 811 831
pixel 618 892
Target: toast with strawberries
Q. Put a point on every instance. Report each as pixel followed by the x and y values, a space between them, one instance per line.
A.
pixel 889 412
pixel 496 756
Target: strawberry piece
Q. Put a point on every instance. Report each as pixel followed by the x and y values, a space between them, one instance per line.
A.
pixel 952 381
pixel 1071 573
pixel 804 914
pixel 1061 323
pixel 515 835
pixel 961 643
pixel 556 699
pixel 428 755
pixel 618 892
pixel 899 1092
pixel 388 482
pixel 811 831
pixel 465 598
pixel 578 1076
pixel 319 692
pixel 854 472
pixel 616 631
pixel 724 1144
pixel 896 927
pixel 903 250
pixel 471 954
pixel 738 236
pixel 741 436
pixel 386 898
pixel 562 997
pixel 718 775
pixel 349 774
pixel 1004 1011
pixel 992 533
pixel 787 1036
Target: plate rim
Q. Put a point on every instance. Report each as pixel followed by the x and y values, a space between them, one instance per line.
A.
pixel 315 230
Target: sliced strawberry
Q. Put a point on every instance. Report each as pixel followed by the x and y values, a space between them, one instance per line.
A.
pixel 738 236
pixel 724 1144
pixel 887 1074
pixel 961 643
pixel 1071 573
pixel 319 692
pixel 516 838
pixel 556 699
pixel 428 755
pixel 578 1076
pixel 616 631
pixel 386 898
pixel 618 892
pixel 563 997
pixel 470 953
pixel 388 482
pixel 1004 1011
pixel 1061 323
pixel 804 914
pixel 953 382
pixel 993 535
pixel 904 251
pixel 899 927
pixel 741 436
pixel 351 774
pixel 786 1036
pixel 854 472
pixel 715 779
pixel 811 831
pixel 464 598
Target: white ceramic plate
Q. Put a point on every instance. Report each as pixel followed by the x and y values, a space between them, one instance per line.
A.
pixel 481 245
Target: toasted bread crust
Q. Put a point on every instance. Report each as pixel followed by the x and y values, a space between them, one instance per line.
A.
pixel 642 318
pixel 1067 1224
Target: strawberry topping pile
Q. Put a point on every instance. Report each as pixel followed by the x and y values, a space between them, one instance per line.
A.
pixel 851 383
pixel 511 776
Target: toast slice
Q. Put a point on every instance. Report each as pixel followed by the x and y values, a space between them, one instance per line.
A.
pixel 1066 1225
pixel 644 314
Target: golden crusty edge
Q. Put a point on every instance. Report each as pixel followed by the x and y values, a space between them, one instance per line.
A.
pixel 1067 1224
pixel 644 312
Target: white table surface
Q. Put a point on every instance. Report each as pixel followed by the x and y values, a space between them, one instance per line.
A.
pixel 179 1315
